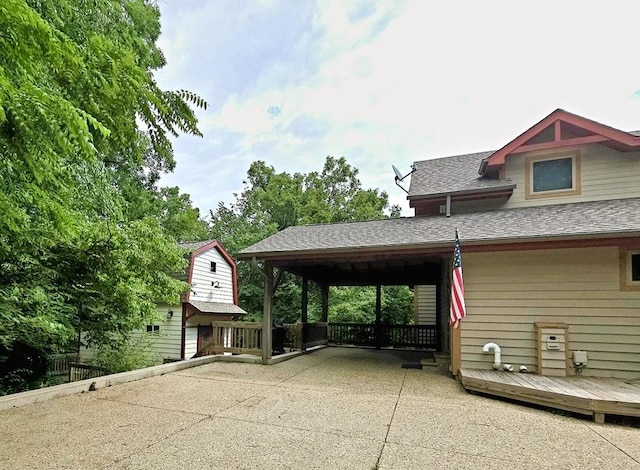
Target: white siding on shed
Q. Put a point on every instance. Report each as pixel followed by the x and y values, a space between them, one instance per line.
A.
pixel 202 278
pixel 167 342
pixel 190 341
pixel 507 292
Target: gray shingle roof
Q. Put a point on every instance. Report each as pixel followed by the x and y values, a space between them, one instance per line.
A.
pixel 450 175
pixel 600 218
pixel 217 307
pixel 193 246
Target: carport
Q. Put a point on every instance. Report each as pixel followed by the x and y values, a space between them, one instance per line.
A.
pixel 352 254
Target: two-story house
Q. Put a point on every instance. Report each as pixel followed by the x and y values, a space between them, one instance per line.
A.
pixel 550 232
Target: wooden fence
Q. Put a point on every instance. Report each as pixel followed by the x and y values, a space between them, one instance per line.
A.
pixel 301 336
pixel 314 334
pixel 234 337
pixel 408 336
pixel 60 364
pixel 85 371
pixel 246 337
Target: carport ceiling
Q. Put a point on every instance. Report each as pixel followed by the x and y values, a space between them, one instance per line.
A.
pixel 366 271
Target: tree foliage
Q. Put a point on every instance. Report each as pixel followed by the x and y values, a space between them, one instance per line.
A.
pixel 87 240
pixel 272 201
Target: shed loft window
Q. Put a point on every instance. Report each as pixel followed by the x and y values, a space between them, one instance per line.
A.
pixel 213 266
pixel 552 175
pixel 153 328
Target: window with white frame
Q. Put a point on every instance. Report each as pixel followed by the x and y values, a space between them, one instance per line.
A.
pixel 552 175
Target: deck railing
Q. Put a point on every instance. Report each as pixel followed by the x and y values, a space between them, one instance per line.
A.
pixel 359 334
pixel 314 334
pixel 234 337
pixel 293 335
pixel 301 336
pixel 60 364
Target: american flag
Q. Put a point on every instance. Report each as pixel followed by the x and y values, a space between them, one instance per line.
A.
pixel 458 310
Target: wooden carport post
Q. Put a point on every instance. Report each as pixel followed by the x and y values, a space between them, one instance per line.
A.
pixel 304 317
pixel 305 300
pixel 324 294
pixel 378 329
pixel 267 315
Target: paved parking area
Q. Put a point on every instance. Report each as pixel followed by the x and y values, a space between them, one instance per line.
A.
pixel 336 408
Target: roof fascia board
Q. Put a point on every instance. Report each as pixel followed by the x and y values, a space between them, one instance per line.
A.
pixel 498 190
pixel 610 133
pixel 498 244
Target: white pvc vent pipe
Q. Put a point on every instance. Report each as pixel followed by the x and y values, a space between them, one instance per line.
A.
pixel 496 353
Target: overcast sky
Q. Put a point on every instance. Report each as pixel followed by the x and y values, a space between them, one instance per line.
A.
pixel 381 83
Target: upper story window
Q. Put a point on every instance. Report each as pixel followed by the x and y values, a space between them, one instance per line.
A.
pixel 552 175
pixel 213 266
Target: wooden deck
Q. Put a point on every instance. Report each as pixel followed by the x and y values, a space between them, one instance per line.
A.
pixel 596 397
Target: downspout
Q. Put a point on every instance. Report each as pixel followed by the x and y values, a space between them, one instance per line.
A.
pixel 496 353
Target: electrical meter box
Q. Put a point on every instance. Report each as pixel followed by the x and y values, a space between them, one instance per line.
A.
pixel 552 339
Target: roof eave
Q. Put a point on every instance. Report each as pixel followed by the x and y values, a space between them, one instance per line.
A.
pixel 611 133
pixel 495 189
pixel 443 246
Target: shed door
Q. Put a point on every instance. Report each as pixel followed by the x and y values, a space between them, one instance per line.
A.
pixel 204 335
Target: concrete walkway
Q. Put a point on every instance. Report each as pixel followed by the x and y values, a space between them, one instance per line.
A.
pixel 336 408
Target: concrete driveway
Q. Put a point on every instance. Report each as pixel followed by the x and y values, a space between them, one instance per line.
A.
pixel 335 408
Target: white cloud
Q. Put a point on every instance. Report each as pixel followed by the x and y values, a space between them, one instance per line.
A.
pixel 396 82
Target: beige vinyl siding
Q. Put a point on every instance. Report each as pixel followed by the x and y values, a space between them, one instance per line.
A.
pixel 506 293
pixel 605 174
pixel 201 287
pixel 425 305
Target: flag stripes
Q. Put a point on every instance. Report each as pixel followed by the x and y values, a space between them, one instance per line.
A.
pixel 458 309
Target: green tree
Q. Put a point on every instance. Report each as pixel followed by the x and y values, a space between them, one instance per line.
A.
pixel 84 135
pixel 272 201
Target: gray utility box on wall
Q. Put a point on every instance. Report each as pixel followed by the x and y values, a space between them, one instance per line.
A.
pixel 552 339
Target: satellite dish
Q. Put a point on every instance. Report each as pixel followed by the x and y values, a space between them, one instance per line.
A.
pixel 400 178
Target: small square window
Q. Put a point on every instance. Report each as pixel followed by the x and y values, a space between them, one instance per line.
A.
pixel 153 328
pixel 213 266
pixel 552 175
